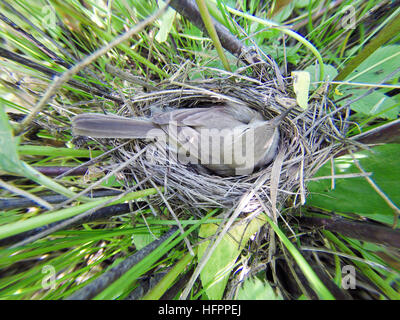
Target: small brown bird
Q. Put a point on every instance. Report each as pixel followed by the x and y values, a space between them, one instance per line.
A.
pixel 228 139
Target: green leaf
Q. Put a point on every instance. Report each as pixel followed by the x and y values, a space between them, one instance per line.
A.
pixel 255 289
pixel 284 13
pixel 9 160
pixel 355 195
pixel 166 22
pixel 377 66
pixel 374 70
pixel 330 73
pixel 215 273
pixel 111 182
pixel 376 104
pixel 140 240
pixel 261 35
pixel 279 53
pixel 302 3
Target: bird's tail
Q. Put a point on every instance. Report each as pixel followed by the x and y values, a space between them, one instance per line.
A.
pixel 111 126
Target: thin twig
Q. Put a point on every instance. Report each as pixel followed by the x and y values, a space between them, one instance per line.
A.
pixel 12 203
pixel 23 193
pixel 91 161
pixel 340 176
pixel 127 76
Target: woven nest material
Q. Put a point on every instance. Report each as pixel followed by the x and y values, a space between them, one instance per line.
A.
pixel 308 139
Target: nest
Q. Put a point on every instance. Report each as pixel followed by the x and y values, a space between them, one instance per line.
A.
pixel 308 139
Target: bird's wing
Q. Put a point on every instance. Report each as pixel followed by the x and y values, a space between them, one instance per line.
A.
pixel 212 148
pixel 242 113
pixel 266 140
pixel 212 117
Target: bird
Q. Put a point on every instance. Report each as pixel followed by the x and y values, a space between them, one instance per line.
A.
pixel 229 139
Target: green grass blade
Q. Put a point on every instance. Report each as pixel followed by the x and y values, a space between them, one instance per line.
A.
pixel 319 288
pixel 44 219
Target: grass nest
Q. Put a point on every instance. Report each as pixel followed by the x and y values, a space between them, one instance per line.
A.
pixel 308 139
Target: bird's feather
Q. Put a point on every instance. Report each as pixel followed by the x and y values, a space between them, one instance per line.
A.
pixel 111 126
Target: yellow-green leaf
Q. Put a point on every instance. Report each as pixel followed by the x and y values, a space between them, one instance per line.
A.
pixel 301 87
pixel 215 273
pixel 166 22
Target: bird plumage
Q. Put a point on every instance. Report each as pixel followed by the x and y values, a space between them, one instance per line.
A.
pixel 228 139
